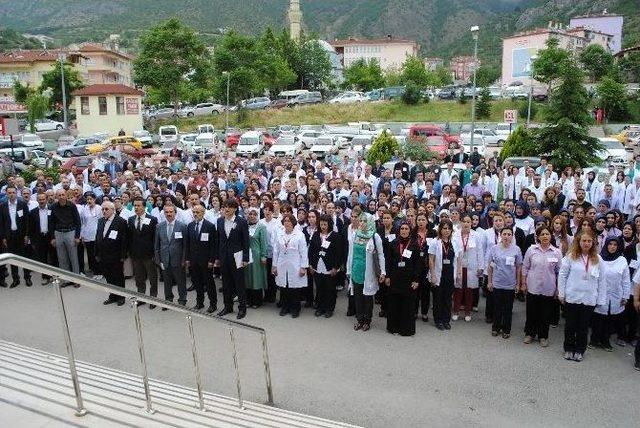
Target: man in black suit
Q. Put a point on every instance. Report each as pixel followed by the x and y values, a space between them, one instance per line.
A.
pixel 199 258
pixel 141 234
pixel 13 232
pixel 40 233
pixel 232 255
pixel 111 249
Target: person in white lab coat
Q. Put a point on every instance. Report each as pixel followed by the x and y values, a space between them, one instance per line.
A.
pixel 467 244
pixel 290 263
pixel 608 317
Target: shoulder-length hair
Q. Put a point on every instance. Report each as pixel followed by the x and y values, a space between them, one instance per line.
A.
pixel 575 252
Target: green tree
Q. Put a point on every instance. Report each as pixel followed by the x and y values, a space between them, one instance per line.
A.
pixel 443 76
pixel 417 151
pixel 486 75
pixel 596 61
pixel 411 94
pixel 382 148
pixel 569 99
pixel 612 97
pixel 393 78
pixel 413 70
pixel 550 62
pixel 523 109
pixel 483 107
pixel 314 69
pixel 52 80
pixel 37 107
pixel 630 66
pixel 364 75
pixel 519 143
pixel 169 53
pixel 21 92
pixel 567 144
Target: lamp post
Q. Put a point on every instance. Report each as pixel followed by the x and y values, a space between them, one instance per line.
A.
pixel 62 58
pixel 226 73
pixel 533 58
pixel 474 33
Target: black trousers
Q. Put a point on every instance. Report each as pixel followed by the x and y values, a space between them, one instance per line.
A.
pixel 143 270
pixel 364 304
pixel 538 312
pixel 576 328
pixel 202 279
pixel 290 299
pixel 91 257
pixel 629 321
pixel 488 309
pixel 442 300
pixel 114 274
pixel 381 297
pixel 502 310
pixel 555 312
pixel 16 245
pixel 307 292
pixel 401 313
pixel 325 292
pixel 42 249
pixel 423 300
pixel 272 288
pixel 233 285
pixel 254 297
pixel 603 325
pixel 174 276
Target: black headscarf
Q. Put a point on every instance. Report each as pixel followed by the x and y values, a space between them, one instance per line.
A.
pixel 606 255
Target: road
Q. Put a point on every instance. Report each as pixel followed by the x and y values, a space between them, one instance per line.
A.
pixel 322 367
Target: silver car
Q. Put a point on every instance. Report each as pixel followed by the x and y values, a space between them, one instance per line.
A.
pixel 77 148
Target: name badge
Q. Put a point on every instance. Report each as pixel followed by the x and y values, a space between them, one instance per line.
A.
pixel 407 253
pixel 48 212
pixel 404 169
pixel 19 213
pixel 113 234
pixel 421 253
pixel 595 272
pixel 325 244
pixel 391 237
pixel 510 261
pixel 252 232
pixel 146 221
pixel 552 259
pixel 177 235
pixel 322 253
pixel 472 244
pixel 446 262
pixel 204 236
pixel 401 264
pixel 633 264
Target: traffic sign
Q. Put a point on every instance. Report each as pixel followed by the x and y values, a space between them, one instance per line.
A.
pixel 511 116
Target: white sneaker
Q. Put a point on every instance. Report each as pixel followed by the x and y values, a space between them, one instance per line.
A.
pixel 467 318
pixel 455 317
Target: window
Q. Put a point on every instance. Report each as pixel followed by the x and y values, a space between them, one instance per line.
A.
pixel 119 105
pixel 84 105
pixel 102 104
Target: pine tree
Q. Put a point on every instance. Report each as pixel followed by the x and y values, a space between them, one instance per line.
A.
pixel 483 106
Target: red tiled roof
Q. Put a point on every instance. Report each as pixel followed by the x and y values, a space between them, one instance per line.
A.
pixel 385 40
pixel 30 55
pixel 96 47
pixel 107 89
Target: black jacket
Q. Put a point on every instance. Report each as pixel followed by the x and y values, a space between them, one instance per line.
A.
pixel 140 242
pixel 22 215
pixel 331 256
pixel 200 249
pixel 402 276
pixel 238 240
pixel 113 246
pixel 34 231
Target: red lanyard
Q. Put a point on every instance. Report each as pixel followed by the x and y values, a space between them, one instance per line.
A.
pixel 402 248
pixel 445 249
pixel 465 242
pixel 420 240
pixel 586 264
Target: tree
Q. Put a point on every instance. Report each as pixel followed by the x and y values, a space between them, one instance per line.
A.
pixel 569 99
pixel 443 76
pixel 314 69
pixel 612 97
pixel 169 53
pixel 630 66
pixel 52 80
pixel 519 143
pixel 550 62
pixel 364 75
pixel 383 148
pixel 483 107
pixel 21 92
pixel 486 75
pixel 37 107
pixel 413 70
pixel 524 110
pixel 411 93
pixel 567 144
pixel 596 61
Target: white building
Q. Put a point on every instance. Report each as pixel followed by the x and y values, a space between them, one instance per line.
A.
pixel 390 52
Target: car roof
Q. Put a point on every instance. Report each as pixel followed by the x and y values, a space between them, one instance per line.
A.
pixel 251 134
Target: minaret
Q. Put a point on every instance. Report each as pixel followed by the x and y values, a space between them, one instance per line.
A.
pixel 295 19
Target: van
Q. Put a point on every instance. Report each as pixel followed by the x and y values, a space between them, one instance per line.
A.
pixel 289 95
pixel 168 134
pixel 308 98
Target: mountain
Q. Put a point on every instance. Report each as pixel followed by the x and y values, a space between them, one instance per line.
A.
pixel 439 26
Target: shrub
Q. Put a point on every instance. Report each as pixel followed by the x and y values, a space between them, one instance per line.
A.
pixel 411 94
pixel 29 173
pixel 523 108
pixel 483 106
pixel 417 150
pixel 383 148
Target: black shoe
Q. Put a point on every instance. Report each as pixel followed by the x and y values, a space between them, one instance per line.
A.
pixel 637 365
pixel 447 326
pixel 164 309
pixel 109 301
pixel 140 303
pixel 488 320
pixel 319 313
pixel 351 313
pixel 284 311
pixel 28 282
pixel 295 314
pixel 425 318
pixel 193 287
pixel 224 312
pixel 329 314
pixel 198 307
pixel 211 309
pixel 440 326
pixel 241 314
pixel 46 281
pixel 152 306
pixel 14 284
pixel 279 304
pixel 121 302
pixel 3 283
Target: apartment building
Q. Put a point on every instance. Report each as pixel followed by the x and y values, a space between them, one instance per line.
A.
pixel 390 52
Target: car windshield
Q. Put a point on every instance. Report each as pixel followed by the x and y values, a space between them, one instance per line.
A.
pixel 488 132
pixel 284 141
pixel 189 138
pixel 248 141
pixel 435 140
pixel 324 141
pixel 141 134
pixel 611 144
pixel 168 131
pixel 361 140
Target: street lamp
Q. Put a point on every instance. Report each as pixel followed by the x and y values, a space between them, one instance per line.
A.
pixel 62 58
pixel 474 33
pixel 226 73
pixel 533 58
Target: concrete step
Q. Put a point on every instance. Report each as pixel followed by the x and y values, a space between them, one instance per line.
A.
pixel 36 391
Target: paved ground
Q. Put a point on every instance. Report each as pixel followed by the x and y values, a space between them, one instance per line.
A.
pixel 322 367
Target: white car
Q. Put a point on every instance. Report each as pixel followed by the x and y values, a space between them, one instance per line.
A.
pixel 251 144
pixel 362 143
pixel 285 145
pixel 483 136
pixel 348 98
pixel 614 151
pixel 308 138
pixel 144 137
pixel 206 109
pixel 168 135
pixel 505 129
pixel 325 145
pixel 188 143
pixel 48 125
pixel 32 141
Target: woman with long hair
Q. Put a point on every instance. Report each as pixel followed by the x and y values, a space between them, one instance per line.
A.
pixel 559 237
pixel 421 235
pixel 325 255
pixel 387 232
pixel 442 262
pixel 470 266
pixel 539 278
pixel 581 286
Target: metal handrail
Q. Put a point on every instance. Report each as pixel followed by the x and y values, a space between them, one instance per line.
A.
pixel 60 275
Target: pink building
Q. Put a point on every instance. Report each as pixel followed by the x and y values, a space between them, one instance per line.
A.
pixel 390 52
pixel 432 63
pixel 462 67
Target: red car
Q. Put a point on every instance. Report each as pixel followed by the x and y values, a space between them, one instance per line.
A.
pixel 80 163
pixel 232 137
pixel 137 153
pixel 436 139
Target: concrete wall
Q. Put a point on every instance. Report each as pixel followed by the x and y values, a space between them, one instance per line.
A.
pixel 111 122
pixel 516 57
pixel 391 56
pixel 607 24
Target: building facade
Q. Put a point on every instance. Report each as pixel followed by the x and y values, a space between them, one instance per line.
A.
pixel 337 69
pixel 108 108
pixel 432 63
pixel 461 67
pixel 390 52
pixel 605 23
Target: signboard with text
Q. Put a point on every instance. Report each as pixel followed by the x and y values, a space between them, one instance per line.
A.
pixel 511 116
pixel 132 106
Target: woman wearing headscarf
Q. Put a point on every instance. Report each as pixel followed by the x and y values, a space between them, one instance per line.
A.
pixel 469 268
pixel 581 286
pixel 631 252
pixel 365 269
pixel 325 255
pixel 539 278
pixel 442 263
pixel 608 317
pixel 522 218
pixel 600 231
pixel 256 272
pixel 403 269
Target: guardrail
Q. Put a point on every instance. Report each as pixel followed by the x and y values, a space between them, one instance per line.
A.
pixel 60 275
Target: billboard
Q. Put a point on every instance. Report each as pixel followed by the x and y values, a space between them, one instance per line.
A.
pixel 521 65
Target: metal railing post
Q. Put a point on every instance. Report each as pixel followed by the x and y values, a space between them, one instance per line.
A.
pixel 196 365
pixel 80 410
pixel 267 369
pixel 235 365
pixel 143 360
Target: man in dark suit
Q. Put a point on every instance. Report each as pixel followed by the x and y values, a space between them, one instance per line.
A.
pixel 141 234
pixel 40 233
pixel 199 257
pixel 13 233
pixel 169 251
pixel 111 249
pixel 232 255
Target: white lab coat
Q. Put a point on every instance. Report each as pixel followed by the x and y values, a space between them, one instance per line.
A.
pixel 370 279
pixel 435 248
pixel 575 288
pixel 289 256
pixel 473 258
pixel 616 277
pixel 509 183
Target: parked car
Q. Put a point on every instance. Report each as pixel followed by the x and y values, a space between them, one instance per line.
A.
pixel 258 103
pixel 32 141
pixel 447 93
pixel 232 137
pixel 285 145
pixel 362 142
pixel 118 141
pixel 495 92
pixel 483 136
pixel 279 103
pixel 348 98
pixel 251 144
pixel 533 161
pixel 48 125
pixel 393 92
pixel 205 109
pixel 374 95
pixel 614 151
pixel 434 137
pixel 168 134
pixel 325 144
pixel 308 138
pixel 540 93
pixel 78 147
pixel 505 129
pixel 144 137
pixel 313 97
pixel 188 142
pixel 163 113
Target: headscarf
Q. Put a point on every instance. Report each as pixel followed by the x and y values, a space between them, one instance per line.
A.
pixel 362 237
pixel 525 210
pixel 400 239
pixel 606 255
pixel 633 228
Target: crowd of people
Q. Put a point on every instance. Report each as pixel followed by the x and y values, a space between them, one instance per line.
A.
pixel 418 240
